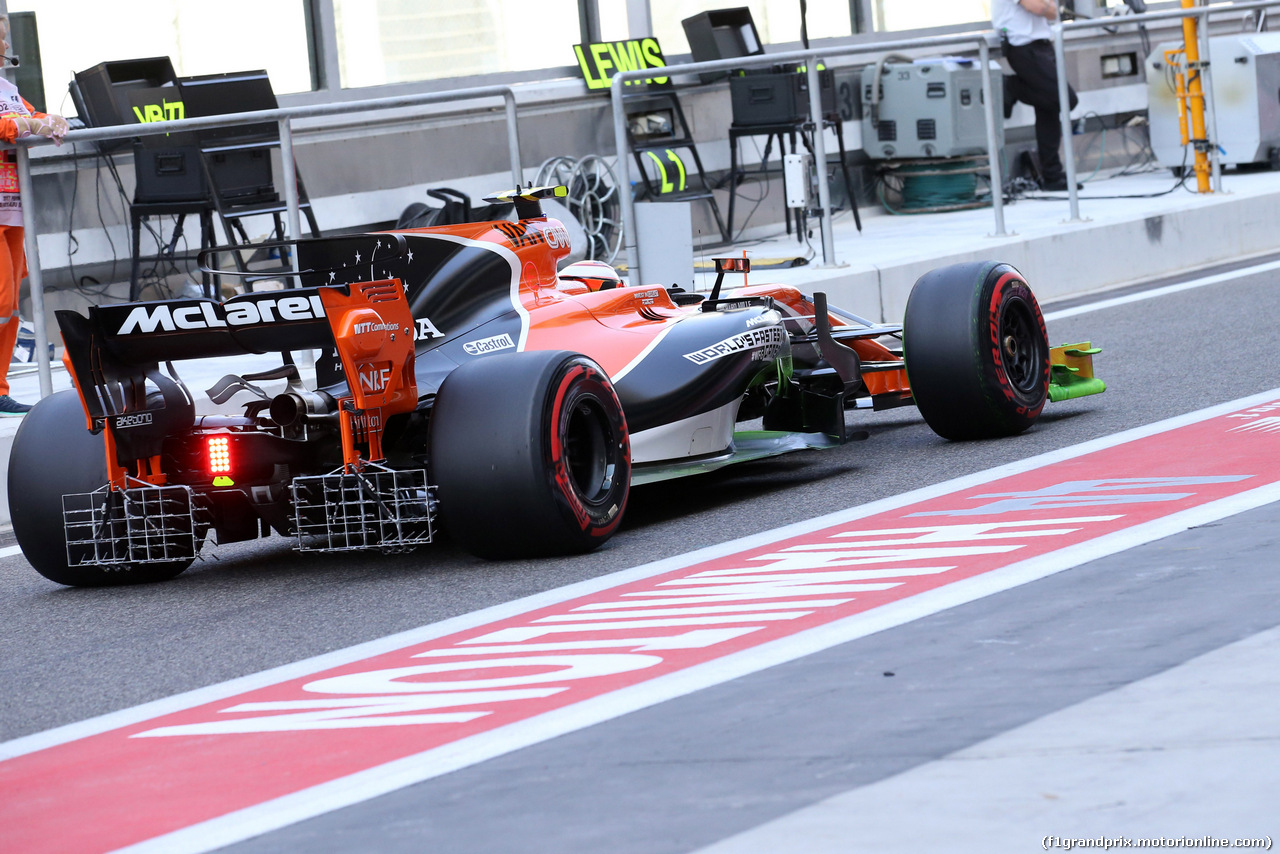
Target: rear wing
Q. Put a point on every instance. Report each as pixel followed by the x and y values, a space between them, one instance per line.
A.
pixel 114 352
pixel 111 352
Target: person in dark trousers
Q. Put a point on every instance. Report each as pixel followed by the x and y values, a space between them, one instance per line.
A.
pixel 1024 25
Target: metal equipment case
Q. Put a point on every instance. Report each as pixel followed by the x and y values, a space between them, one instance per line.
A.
pixel 1245 70
pixel 928 108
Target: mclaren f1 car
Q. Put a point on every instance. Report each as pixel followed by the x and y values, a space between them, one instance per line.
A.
pixel 463 380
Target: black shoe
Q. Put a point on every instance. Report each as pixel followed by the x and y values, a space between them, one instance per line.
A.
pixel 11 407
pixel 1058 186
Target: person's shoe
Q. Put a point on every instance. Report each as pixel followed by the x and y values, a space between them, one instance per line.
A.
pixel 11 407
pixel 1058 186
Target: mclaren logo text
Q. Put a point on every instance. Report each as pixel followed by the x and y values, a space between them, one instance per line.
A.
pixel 489 345
pixel 764 342
pixel 205 314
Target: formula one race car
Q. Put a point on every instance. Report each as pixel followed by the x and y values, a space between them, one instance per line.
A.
pixel 463 379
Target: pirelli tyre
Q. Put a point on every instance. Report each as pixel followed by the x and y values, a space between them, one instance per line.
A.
pixel 530 455
pixel 976 351
pixel 54 455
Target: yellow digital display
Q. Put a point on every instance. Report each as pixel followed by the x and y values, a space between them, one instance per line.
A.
pixel 164 111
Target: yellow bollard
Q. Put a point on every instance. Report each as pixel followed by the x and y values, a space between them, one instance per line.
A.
pixel 1195 97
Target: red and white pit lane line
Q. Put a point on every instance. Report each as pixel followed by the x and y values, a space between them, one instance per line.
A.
pixel 211 767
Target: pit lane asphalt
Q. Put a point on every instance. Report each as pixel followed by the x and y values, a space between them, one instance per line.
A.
pixel 707 769
pixel 72 654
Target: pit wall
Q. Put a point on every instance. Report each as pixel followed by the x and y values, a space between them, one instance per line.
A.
pixel 1074 259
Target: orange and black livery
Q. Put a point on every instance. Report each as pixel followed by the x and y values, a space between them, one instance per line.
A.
pixel 466 376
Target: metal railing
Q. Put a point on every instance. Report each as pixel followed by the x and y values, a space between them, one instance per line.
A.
pixel 811 59
pixel 282 117
pixel 1211 119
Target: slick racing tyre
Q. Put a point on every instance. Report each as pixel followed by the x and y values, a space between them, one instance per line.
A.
pixel 530 454
pixel 54 455
pixel 976 351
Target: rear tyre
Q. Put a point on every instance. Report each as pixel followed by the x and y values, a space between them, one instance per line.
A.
pixel 530 454
pixel 54 455
pixel 976 351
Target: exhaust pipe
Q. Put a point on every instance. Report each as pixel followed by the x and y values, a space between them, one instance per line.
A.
pixel 296 407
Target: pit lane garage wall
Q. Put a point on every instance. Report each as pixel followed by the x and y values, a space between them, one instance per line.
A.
pixel 362 170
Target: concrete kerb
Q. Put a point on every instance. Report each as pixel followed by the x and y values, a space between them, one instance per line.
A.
pixel 1066 259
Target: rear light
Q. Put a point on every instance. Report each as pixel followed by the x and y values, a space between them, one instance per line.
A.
pixel 219 448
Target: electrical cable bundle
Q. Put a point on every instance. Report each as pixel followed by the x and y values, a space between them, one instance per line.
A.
pixel 932 186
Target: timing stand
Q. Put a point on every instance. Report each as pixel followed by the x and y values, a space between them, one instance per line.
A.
pixel 656 130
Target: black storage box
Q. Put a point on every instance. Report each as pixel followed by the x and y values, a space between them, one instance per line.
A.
pixel 243 175
pixel 168 175
pixel 777 97
pixel 167 168
pixel 239 158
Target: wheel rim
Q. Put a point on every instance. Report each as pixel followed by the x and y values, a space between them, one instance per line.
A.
pixel 1021 348
pixel 591 455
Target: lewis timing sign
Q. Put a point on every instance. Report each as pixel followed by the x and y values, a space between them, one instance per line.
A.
pixel 600 61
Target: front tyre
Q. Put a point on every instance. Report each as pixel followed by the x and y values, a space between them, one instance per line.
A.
pixel 53 455
pixel 976 351
pixel 531 455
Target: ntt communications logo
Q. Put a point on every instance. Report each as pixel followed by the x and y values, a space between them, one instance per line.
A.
pixel 362 328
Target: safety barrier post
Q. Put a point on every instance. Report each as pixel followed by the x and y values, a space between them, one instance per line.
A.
pixel 621 146
pixel 289 167
pixel 993 143
pixel 1064 111
pixel 513 135
pixel 817 117
pixel 30 240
